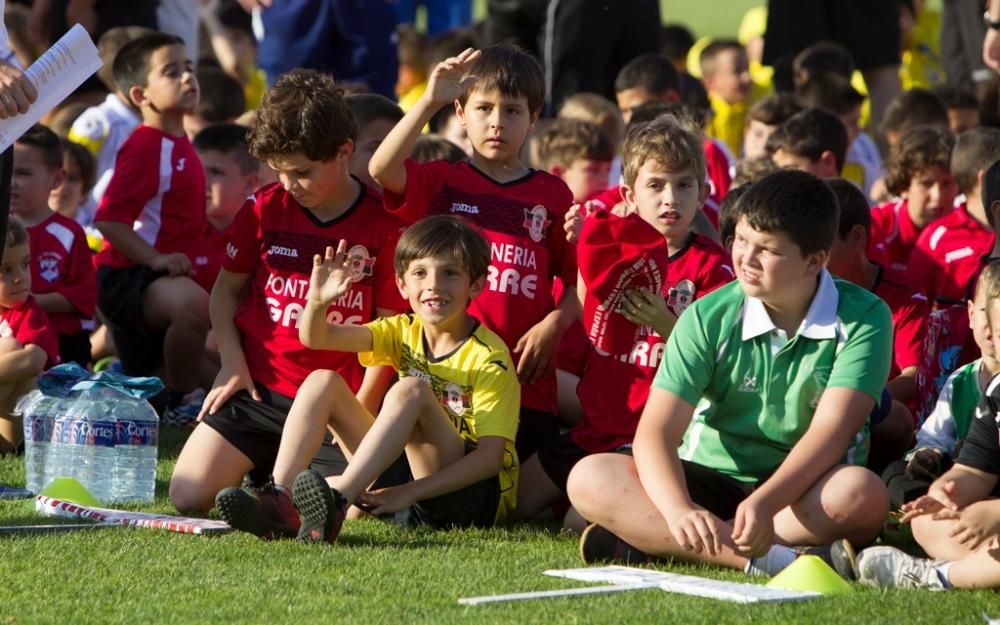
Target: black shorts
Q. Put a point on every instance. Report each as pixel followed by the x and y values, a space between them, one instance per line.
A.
pixel 254 428
pixel 75 348
pixel 559 457
pixel 714 491
pixel 119 298
pixel 535 429
pixel 869 30
pixel 472 506
pixel 881 409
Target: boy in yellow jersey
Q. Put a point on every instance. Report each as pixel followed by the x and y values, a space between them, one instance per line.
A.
pixel 454 411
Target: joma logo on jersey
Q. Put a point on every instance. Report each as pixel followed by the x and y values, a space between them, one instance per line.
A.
pixel 280 250
pixel 459 207
pixel 231 250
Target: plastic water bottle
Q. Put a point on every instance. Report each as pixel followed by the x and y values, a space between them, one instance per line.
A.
pixel 35 410
pixel 136 438
pixel 88 438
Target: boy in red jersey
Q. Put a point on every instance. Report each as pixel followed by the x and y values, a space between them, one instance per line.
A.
pixel 231 175
pixel 811 140
pixel 580 153
pixel 919 172
pixel 62 269
pixel 892 423
pixel 497 93
pixel 664 177
pixel 946 255
pixel 305 132
pixel 28 344
pixel 152 216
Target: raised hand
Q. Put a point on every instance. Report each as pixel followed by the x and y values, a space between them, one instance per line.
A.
pixel 331 275
pixel 450 79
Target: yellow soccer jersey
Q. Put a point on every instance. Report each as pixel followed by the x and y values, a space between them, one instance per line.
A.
pixel 476 384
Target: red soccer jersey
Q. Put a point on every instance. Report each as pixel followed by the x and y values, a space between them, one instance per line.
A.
pixel 209 260
pixel 717 166
pixel 523 222
pixel 158 188
pixel 61 262
pixel 608 198
pixel 273 239
pixel 947 254
pixel 893 235
pixel 909 318
pixel 613 391
pixel 29 325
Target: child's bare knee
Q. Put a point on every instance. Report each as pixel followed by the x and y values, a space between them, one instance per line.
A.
pixel 9 344
pixel 188 498
pixel 856 496
pixel 409 389
pixel 587 483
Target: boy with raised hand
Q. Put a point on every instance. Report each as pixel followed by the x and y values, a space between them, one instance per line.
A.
pixel 497 93
pixel 305 132
pixel 757 410
pixel 152 216
pixel 664 178
pixel 958 521
pixel 453 412
pixel 62 267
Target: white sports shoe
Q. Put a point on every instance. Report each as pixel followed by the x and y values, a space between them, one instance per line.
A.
pixel 889 567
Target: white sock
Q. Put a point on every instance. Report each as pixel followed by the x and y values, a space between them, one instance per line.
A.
pixel 771 563
pixel 943 571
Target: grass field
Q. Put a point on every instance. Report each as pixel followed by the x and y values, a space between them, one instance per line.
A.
pixel 376 574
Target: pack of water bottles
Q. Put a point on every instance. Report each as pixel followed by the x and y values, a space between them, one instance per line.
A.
pixel 99 429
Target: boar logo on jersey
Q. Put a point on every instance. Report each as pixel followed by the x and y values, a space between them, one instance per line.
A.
pixel 361 263
pixel 537 221
pixel 48 265
pixel 681 296
pixel 455 399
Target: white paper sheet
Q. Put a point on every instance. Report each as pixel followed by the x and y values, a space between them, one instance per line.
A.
pixel 56 74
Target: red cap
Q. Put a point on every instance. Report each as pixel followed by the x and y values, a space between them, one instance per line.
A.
pixel 616 255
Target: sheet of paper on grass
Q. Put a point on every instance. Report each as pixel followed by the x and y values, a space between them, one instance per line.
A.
pixel 626 579
pixel 48 506
pixel 55 74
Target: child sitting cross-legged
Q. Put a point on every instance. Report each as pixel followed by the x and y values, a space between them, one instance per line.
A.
pixel 453 414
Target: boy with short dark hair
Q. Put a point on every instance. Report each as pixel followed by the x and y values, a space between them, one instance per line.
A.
pixel 715 478
pixel 579 153
pixel 946 255
pixel 812 140
pixel 152 216
pixel 28 344
pixel 763 119
pixel 220 100
pixel 725 71
pixel 646 77
pixel 231 175
pixel 664 183
pixel 498 92
pixel 453 414
pixel 62 268
pixel 375 116
pixel 305 132
pixel 963 108
pixel 912 108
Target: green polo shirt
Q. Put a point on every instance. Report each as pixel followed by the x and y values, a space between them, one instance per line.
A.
pixel 755 390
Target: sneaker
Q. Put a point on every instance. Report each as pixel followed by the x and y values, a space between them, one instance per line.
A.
pixel 266 512
pixel 185 412
pixel 598 544
pixel 322 508
pixel 838 554
pixel 889 567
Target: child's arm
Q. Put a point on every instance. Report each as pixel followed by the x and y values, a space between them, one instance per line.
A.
pixel 53 302
pixel 234 375
pixel 447 83
pixel 330 280
pixel 839 416
pixel 125 240
pixel 960 486
pixel 660 432
pixel 377 379
pixel 483 462
pixel 538 345
pixel 19 362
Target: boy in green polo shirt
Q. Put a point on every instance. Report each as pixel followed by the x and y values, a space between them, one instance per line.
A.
pixel 758 409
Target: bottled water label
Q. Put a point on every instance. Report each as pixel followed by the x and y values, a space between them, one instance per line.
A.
pixel 138 433
pixel 99 433
pixel 38 427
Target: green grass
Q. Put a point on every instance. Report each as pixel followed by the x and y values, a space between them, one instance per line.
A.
pixel 376 574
